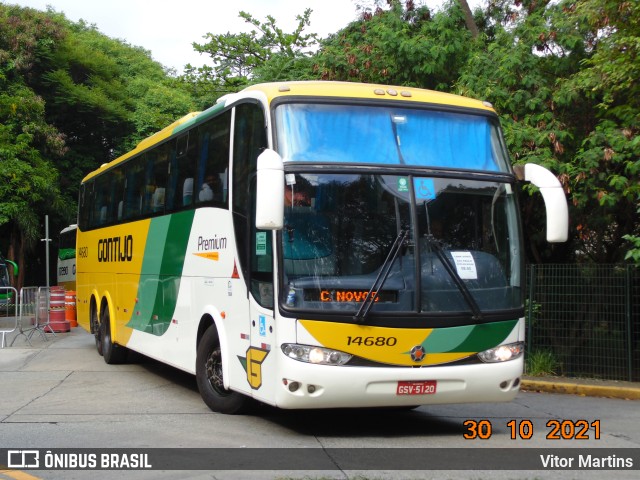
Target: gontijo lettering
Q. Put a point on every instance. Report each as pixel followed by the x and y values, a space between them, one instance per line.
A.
pixel 115 249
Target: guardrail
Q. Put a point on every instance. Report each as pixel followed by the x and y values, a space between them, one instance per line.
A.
pixel 585 319
pixel 8 311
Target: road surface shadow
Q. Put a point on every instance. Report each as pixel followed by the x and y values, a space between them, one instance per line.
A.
pixel 342 422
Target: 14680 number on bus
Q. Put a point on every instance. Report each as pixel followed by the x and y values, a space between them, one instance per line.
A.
pixel 372 341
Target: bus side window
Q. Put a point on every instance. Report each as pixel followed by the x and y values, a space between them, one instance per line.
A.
pixel 156 179
pixel 85 204
pixel 117 193
pixel 149 184
pixel 181 178
pixel 102 202
pixel 134 193
pixel 213 152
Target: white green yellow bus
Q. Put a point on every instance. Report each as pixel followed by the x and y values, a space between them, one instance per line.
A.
pixel 67 258
pixel 316 245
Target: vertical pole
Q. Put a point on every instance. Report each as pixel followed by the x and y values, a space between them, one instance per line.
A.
pixel 532 269
pixel 46 239
pixel 627 307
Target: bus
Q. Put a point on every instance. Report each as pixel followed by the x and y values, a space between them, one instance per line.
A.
pixel 6 293
pixel 316 245
pixel 67 258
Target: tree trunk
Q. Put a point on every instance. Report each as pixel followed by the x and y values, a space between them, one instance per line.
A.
pixel 16 254
pixel 468 18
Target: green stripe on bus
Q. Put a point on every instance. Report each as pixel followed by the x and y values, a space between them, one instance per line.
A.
pixel 161 272
pixel 469 338
pixel 202 117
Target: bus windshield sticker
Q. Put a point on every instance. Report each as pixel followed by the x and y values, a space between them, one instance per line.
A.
pixel 261 243
pixel 466 265
pixel 403 184
pixel 425 189
pixel 262 325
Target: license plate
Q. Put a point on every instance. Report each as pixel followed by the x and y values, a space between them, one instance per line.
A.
pixel 424 387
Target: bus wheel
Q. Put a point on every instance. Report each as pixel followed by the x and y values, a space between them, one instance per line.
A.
pixel 209 377
pixel 112 352
pixel 96 329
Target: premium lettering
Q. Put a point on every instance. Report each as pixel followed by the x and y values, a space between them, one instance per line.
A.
pixel 215 243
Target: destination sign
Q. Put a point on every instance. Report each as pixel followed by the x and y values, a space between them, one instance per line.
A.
pixel 348 296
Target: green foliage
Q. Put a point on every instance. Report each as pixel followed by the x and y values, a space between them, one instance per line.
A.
pixel 633 253
pixel 263 54
pixel 562 75
pixel 541 363
pixel 70 99
pixel 605 169
pixel 403 46
pixel 28 178
pixel 549 71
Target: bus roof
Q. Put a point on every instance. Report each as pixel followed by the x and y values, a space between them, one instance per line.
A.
pixel 310 89
pixel 365 91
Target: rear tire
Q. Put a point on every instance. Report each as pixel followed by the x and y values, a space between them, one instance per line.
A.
pixel 95 328
pixel 209 377
pixel 112 352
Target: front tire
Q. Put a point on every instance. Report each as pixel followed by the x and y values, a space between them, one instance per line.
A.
pixel 112 352
pixel 209 377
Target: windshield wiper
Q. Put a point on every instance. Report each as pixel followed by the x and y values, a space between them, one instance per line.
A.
pixel 370 299
pixel 466 294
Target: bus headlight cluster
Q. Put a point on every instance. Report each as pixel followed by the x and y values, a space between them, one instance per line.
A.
pixel 317 355
pixel 503 353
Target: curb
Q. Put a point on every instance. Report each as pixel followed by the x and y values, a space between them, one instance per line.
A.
pixel 623 392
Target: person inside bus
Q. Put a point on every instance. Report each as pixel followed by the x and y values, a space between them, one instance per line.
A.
pixel 157 199
pixel 187 191
pixel 211 189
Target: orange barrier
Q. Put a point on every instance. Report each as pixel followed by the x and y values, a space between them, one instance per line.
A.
pixel 57 322
pixel 70 308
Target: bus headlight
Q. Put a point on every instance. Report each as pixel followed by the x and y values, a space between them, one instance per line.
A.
pixel 316 355
pixel 503 353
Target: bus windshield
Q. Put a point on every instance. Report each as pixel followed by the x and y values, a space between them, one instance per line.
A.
pixel 458 251
pixel 387 135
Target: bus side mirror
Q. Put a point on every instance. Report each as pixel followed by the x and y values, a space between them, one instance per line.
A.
pixel 554 199
pixel 270 191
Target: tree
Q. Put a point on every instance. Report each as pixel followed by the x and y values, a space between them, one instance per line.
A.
pixel 105 96
pixel 28 180
pixel 70 99
pixel 28 145
pixel 468 18
pixel 264 53
pixel 604 174
pixel 541 71
pixel 402 45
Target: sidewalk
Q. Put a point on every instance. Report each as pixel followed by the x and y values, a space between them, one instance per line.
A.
pixel 21 352
pixel 585 387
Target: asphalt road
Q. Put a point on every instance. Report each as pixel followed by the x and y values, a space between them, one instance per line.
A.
pixel 61 395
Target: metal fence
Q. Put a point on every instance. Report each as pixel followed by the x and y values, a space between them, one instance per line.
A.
pixel 585 320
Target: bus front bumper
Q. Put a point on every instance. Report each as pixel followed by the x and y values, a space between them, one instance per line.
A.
pixel 304 385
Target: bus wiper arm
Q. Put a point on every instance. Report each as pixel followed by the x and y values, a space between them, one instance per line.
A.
pixel 466 294
pixel 369 300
